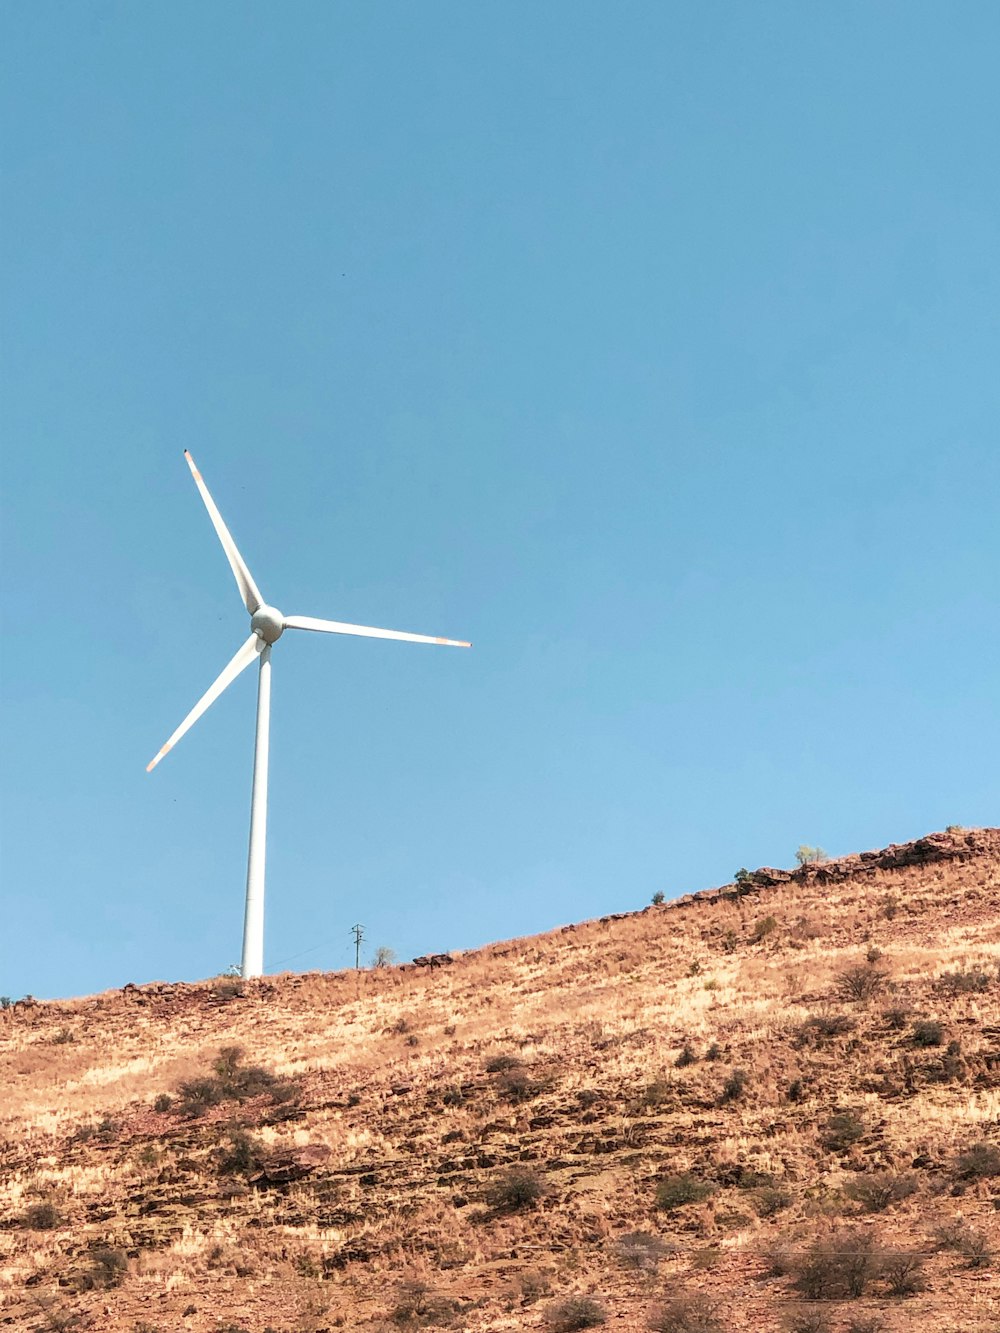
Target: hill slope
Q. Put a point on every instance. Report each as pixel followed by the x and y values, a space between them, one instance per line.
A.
pixel 767 1102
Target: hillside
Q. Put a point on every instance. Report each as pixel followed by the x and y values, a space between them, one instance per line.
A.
pixel 767 1105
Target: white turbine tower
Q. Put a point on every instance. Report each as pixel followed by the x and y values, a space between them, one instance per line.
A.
pixel 267 625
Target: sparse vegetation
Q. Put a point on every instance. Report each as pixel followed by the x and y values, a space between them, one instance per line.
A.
pixel 44 1216
pixel 842 1130
pixel 860 981
pixel 695 1313
pixel 232 1081
pixel 574 1312
pixel 677 1190
pixel 927 1032
pixel 765 926
pixel 516 1189
pixel 657 898
pixel 807 856
pixel 839 1267
pixel 640 1250
pixel 878 1191
pixel 980 1162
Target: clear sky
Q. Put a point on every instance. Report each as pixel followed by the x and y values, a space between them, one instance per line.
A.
pixel 652 346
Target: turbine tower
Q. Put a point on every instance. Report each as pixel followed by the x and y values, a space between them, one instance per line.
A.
pixel 267 624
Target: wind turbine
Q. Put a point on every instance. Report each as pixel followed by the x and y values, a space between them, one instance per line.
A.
pixel 267 624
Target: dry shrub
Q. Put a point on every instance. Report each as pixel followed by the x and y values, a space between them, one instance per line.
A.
pixel 824 1026
pixel 640 1250
pixel 860 981
pixel 841 1132
pixel 41 1217
pixel 973 1246
pixel 575 1312
pixel 735 1086
pixel 108 1268
pixel 979 1162
pixel 499 1064
pixel 517 1189
pixel 532 1285
pixel 418 1305
pixel 231 1081
pixel 517 1085
pixel 962 982
pixel 769 1200
pixel 879 1190
pixel 806 1320
pixel 838 1267
pixel 694 1313
pixel 766 926
pixel 865 1323
pixel 243 1156
pixel 902 1271
pixel 676 1190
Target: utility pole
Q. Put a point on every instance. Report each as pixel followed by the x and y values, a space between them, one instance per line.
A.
pixel 359 933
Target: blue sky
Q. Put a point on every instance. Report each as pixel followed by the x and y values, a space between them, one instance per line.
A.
pixel 653 347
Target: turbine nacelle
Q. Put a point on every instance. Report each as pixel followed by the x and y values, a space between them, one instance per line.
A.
pixel 268 623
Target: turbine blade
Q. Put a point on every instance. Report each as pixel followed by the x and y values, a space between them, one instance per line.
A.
pixel 366 631
pixel 240 662
pixel 244 579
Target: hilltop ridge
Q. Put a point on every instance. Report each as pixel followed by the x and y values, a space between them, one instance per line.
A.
pixel 632 1111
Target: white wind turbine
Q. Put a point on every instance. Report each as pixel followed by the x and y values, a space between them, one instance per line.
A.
pixel 267 625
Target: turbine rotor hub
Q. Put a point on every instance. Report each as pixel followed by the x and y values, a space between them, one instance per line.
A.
pixel 268 623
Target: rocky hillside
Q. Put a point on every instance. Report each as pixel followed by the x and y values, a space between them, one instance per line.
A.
pixel 770 1106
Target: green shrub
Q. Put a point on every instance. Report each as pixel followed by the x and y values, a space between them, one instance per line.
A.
pixel 657 898
pixel 243 1157
pixel 807 856
pixel 767 926
pixel 575 1312
pixel 674 1191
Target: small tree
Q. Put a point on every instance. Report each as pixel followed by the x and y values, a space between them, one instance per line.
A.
pixel 808 856
pixel 383 956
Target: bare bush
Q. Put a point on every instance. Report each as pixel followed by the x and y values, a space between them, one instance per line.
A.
pixel 838 1267
pixel 963 982
pixel 517 1189
pixel 878 1191
pixel 979 1162
pixel 640 1250
pixel 860 981
pixel 841 1131
pixel 694 1313
pixel 575 1312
